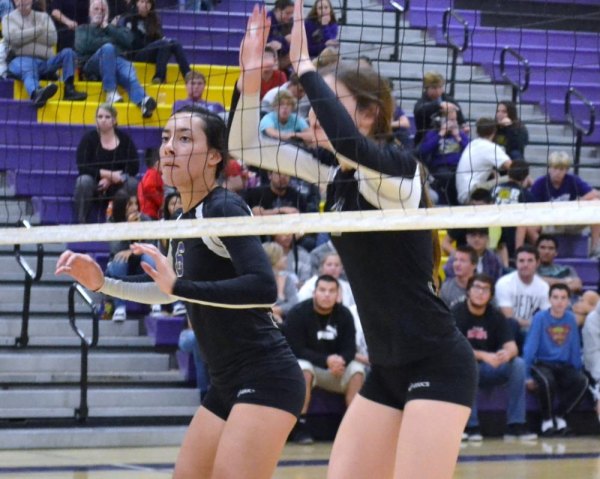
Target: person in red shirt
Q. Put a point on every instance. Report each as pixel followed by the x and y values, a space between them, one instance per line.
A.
pixel 271 75
pixel 150 190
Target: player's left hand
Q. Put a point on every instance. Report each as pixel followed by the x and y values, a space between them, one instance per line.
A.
pixel 163 274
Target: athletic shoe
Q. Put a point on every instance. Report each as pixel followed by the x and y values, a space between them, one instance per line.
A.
pixel 41 96
pixel 300 433
pixel 464 437
pixel 179 309
pixel 474 434
pixel 148 106
pixel 156 310
pixel 519 431
pixel 113 97
pixel 120 314
pixel 547 429
pixel 562 429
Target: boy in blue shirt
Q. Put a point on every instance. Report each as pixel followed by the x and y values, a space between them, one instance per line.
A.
pixel 282 123
pixel 552 354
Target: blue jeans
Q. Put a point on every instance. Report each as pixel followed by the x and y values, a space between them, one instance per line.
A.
pixel 115 70
pixel 121 269
pixel 30 69
pixel 189 344
pixel 511 375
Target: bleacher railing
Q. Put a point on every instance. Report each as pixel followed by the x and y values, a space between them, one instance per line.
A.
pixel 578 127
pixel 450 14
pixel 81 413
pixel 399 10
pixel 517 86
pixel 31 277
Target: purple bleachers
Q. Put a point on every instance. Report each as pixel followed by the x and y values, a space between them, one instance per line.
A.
pixel 587 269
pixel 426 17
pixel 36 182
pixel 216 19
pixel 165 330
pixel 573 246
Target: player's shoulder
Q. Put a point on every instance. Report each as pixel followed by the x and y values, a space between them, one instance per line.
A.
pixel 222 202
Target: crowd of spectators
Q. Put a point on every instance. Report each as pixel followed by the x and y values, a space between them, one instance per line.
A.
pixel 520 310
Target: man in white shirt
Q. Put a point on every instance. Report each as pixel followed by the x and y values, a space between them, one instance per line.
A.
pixel 479 160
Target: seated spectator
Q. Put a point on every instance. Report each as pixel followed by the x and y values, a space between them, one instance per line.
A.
pixel 276 198
pixel 287 294
pixel 440 151
pixel 321 28
pixel 297 258
pixel 522 293
pixel 431 104
pixel 559 185
pixel 496 353
pixel 331 265
pixel 511 134
pixel 195 83
pixel 553 273
pixel 149 44
pixel 510 192
pixel 6 6
pixel 100 46
pixel 480 161
pixel 272 77
pixel 30 37
pixel 281 16
pixel 487 261
pixel 294 86
pixel 123 262
pixel 553 358
pixel 321 334
pixel 107 162
pixel 189 344
pixel 401 127
pixel 67 16
pixel 464 264
pixel 327 57
pixel 591 352
pixel 150 190
pixel 318 254
pixel 282 124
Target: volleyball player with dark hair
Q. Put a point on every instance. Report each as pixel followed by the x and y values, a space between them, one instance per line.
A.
pixel 228 287
pixel 422 384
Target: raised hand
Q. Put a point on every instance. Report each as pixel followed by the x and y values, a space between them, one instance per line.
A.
pixel 163 274
pixel 299 56
pixel 82 268
pixel 252 50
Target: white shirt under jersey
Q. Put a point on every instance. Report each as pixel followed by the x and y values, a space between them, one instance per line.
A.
pixel 479 159
pixel 524 299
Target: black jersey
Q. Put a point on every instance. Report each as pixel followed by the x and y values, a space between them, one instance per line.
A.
pixel 228 286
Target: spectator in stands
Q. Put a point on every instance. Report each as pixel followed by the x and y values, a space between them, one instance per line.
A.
pixel 559 185
pixel 281 16
pixel 522 293
pixel 321 28
pixel 276 198
pixel 331 265
pixel 433 102
pixel 327 57
pixel 6 6
pixel 100 46
pixel 195 83
pixel 591 353
pixel 67 16
pixel 553 357
pixel 464 264
pixel 150 190
pixel 189 344
pixel 297 258
pixel 321 334
pixel 294 86
pixel 401 127
pixel 271 76
pixel 149 44
pixel 480 161
pixel 30 37
pixel 554 273
pixel 487 261
pixel 287 294
pixel 318 254
pixel 440 151
pixel 123 262
pixel 107 162
pixel 282 123
pixel 496 353
pixel 511 134
pixel 510 192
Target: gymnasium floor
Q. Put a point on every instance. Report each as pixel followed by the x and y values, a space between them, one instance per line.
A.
pixel 572 458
